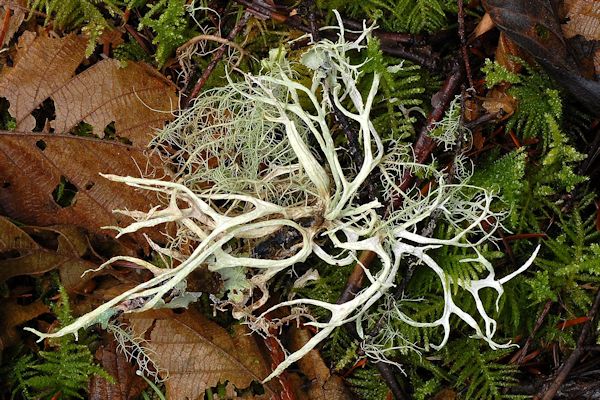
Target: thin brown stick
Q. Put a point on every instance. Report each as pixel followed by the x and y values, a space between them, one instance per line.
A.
pixel 5 25
pixel 565 369
pixel 389 41
pixel 138 38
pixel 425 144
pixel 211 38
pixel 355 281
pixel 463 42
pixel 217 56
pixel 520 355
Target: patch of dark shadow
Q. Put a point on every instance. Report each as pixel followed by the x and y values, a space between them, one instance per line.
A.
pixel 40 144
pixel 5 255
pixel 124 140
pixel 110 131
pixel 5 185
pixel 44 113
pixel 82 129
pixel 7 123
pixel 45 238
pixel 87 63
pixel 89 185
pixel 64 193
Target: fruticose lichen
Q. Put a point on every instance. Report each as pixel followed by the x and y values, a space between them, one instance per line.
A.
pixel 258 156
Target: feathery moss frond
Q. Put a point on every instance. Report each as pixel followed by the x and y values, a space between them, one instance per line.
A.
pixel 65 370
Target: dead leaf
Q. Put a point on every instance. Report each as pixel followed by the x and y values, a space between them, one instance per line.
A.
pixel 583 18
pixel 484 25
pixel 445 394
pixel 322 385
pixel 128 385
pixel 134 97
pixel 497 100
pixel 534 26
pixel 34 166
pixel 42 68
pixel 199 354
pixel 17 9
pixel 24 256
pixel 506 52
pixel 13 315
pixel 111 38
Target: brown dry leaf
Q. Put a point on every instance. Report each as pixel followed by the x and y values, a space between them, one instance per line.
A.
pixel 42 67
pixel 128 385
pixel 17 8
pixel 199 354
pixel 446 394
pixel 485 25
pixel 134 97
pixel 13 315
pixel 32 167
pixel 507 54
pixel 584 19
pixel 322 384
pixel 24 256
pixel 498 100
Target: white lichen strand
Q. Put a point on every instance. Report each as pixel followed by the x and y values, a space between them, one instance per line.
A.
pixel 245 167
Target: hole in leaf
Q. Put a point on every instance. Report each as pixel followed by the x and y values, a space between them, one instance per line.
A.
pixel 64 193
pixel 41 145
pixel 44 113
pixel 5 185
pixel 89 185
pixel 83 129
pixel 109 130
pixel 6 121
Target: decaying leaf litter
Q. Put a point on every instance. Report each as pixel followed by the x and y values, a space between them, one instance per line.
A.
pixel 363 174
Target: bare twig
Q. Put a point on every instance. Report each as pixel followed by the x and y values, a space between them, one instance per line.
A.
pixel 565 369
pixel 212 38
pixel 5 25
pixel 355 281
pixel 138 38
pixel 425 145
pixel 463 42
pixel 217 56
pixel 391 43
pixel 520 355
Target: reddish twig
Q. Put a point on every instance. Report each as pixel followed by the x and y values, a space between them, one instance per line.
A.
pixel 463 42
pixel 565 369
pixel 520 355
pixel 138 38
pixel 526 236
pixel 391 43
pixel 355 281
pixel 5 25
pixel 217 56
pixel 425 144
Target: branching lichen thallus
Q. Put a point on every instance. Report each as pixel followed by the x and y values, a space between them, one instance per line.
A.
pixel 246 167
